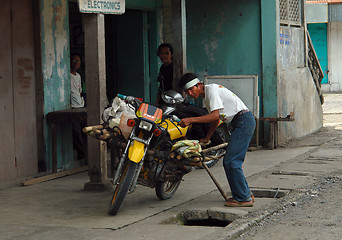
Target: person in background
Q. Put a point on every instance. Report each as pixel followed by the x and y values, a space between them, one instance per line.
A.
pixel 224 105
pixel 165 78
pixel 76 101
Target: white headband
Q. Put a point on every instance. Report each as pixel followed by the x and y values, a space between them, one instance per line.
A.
pixel 192 83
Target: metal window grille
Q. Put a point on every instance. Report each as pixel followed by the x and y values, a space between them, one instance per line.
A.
pixel 290 12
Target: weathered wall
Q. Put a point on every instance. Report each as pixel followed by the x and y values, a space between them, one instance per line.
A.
pixel 298 94
pixel 317 13
pixel 55 54
pixel 291 48
pixel 296 90
pixel 334 57
pixel 56 73
pixel 7 146
pixel 18 139
pixel 223 37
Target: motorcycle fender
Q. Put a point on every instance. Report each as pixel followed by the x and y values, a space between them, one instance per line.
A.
pixel 136 151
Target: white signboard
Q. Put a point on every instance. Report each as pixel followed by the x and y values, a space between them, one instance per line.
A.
pixel 245 86
pixel 102 6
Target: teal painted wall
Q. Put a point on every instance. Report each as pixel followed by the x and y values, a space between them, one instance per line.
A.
pixel 56 74
pixel 236 38
pixel 223 37
pixel 270 31
pixel 318 34
pixel 143 5
pixel 154 40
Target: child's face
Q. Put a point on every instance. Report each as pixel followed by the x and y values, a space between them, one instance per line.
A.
pixel 165 55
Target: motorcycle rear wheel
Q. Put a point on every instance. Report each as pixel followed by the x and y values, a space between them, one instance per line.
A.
pixel 166 189
pixel 122 187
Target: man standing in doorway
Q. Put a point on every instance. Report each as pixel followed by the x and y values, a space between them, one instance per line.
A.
pixel 76 101
pixel 224 105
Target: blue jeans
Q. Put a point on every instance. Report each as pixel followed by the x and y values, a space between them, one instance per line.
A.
pixel 242 133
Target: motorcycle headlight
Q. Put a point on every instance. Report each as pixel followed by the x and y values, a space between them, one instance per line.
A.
pixel 145 125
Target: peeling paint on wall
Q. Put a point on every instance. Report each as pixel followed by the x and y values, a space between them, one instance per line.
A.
pixel 291 48
pixel 296 92
pixel 55 54
pixel 56 74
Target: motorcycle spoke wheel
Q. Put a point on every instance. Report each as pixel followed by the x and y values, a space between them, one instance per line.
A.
pixel 166 189
pixel 122 187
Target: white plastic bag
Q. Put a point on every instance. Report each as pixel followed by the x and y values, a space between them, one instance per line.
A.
pixel 115 110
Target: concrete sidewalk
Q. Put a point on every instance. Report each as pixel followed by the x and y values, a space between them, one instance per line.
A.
pixel 61 209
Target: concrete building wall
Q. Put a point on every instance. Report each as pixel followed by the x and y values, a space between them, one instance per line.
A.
pixel 297 93
pixel 223 37
pixel 317 13
pixel 296 89
pixel 7 145
pixel 334 57
pixel 18 138
pixel 291 48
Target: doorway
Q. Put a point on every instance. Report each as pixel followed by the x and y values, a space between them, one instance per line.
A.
pixel 128 55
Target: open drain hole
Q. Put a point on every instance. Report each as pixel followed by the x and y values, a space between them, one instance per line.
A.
pixel 208 217
pixel 207 223
pixel 269 193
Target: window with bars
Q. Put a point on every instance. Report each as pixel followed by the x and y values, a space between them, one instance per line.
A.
pixel 290 12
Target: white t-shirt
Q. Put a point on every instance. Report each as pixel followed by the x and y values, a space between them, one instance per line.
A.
pixel 219 97
pixel 76 88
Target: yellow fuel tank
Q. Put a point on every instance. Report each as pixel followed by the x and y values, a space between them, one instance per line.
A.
pixel 174 129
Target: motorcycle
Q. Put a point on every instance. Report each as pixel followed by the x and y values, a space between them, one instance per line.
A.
pixel 175 103
pixel 148 156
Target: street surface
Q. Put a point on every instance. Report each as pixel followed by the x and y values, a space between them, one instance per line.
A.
pixel 316 213
pixel 62 209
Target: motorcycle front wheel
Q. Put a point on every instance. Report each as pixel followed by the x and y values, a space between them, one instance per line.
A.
pixel 122 187
pixel 166 189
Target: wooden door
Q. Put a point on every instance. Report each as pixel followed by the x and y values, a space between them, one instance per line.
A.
pixel 18 138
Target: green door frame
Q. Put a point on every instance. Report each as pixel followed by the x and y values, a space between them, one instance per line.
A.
pixel 146 58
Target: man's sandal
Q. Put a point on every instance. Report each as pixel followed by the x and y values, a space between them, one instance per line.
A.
pixel 234 203
pixel 231 199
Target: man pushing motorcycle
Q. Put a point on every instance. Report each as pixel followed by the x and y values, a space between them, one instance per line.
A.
pixel 222 104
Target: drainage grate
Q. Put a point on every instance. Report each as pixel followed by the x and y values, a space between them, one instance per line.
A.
pixel 207 223
pixel 290 173
pixel 323 158
pixel 269 193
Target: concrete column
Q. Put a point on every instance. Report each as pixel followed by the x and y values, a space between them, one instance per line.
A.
pixel 179 39
pixel 95 69
pixel 269 38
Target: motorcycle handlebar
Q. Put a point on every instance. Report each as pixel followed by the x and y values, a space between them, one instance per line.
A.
pixel 130 99
pixel 137 100
pixel 175 118
pixel 121 96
